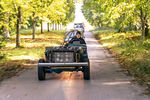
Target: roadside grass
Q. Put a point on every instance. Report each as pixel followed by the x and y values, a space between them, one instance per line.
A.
pixel 29 31
pixel 17 59
pixel 132 52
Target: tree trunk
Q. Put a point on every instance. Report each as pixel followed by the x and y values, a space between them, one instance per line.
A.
pixel 60 26
pixel 48 27
pixel 34 26
pixel 6 32
pixel 41 26
pixel 53 26
pixel 130 26
pixel 18 27
pixel 99 25
pixel 135 28
pixel 5 29
pixel 143 24
pixel 57 26
pixel 146 30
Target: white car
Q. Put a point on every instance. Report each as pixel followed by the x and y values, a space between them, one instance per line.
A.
pixel 79 26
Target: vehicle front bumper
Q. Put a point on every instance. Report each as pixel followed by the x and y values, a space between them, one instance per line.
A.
pixel 79 64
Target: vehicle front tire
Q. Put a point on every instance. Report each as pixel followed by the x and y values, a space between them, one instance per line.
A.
pixel 41 71
pixel 86 71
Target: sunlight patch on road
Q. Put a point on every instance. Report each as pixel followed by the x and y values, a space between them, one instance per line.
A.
pixel 116 83
pixel 91 39
pixel 94 45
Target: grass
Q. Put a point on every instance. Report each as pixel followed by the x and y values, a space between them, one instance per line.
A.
pixel 132 52
pixel 29 31
pixel 17 59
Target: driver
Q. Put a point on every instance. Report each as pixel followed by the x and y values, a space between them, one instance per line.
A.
pixel 77 38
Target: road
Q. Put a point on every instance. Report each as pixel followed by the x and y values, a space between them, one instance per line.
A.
pixel 108 81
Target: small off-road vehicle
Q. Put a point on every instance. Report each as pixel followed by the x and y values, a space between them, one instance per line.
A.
pixel 72 57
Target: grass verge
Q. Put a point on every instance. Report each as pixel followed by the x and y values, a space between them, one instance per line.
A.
pixel 17 59
pixel 132 52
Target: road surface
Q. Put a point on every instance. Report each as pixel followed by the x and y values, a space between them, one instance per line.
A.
pixel 108 81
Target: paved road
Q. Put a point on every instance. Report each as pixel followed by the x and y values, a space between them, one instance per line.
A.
pixel 108 82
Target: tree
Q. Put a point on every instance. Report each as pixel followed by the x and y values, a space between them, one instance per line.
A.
pixel 121 14
pixel 4 19
pixel 16 13
pixel 18 27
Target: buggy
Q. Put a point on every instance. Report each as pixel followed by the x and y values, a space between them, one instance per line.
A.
pixel 72 57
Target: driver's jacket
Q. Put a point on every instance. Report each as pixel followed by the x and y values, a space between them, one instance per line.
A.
pixel 77 39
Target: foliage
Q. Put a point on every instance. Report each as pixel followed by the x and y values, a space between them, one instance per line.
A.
pixel 58 11
pixel 120 14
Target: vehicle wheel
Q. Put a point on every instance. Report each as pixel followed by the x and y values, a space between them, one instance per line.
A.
pixel 86 71
pixel 41 71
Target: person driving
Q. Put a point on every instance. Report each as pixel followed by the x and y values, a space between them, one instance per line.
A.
pixel 77 38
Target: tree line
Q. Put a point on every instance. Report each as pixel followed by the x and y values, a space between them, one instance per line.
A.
pixel 16 14
pixel 121 14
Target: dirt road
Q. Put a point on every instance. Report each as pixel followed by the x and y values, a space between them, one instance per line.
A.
pixel 108 81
